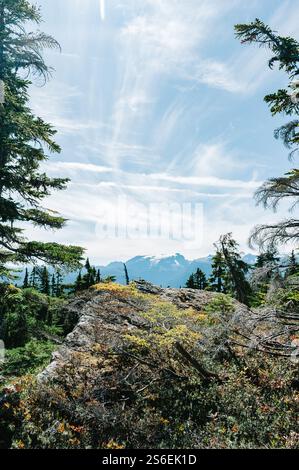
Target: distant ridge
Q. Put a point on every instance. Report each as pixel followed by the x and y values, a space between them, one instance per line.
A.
pixel 172 271
pixel 161 270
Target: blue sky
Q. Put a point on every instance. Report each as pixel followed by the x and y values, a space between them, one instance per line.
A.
pixel 156 102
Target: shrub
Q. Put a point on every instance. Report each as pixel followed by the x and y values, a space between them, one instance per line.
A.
pixel 28 359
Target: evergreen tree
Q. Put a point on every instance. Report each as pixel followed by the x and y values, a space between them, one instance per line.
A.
pixel 34 278
pixel 267 258
pixel 217 281
pixel 24 139
pixel 87 265
pixel 293 265
pixel 127 279
pixel 89 278
pixel 190 284
pixel 200 280
pixel 26 279
pixel 236 268
pixel 98 277
pixel 265 271
pixel 93 276
pixel 44 281
pixel 14 329
pixel 53 286
pixel 78 282
pixel 59 286
pixel 284 101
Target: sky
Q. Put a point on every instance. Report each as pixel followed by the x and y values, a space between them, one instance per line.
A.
pixel 161 120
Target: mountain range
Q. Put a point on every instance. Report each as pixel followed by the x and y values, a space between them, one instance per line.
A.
pixel 164 270
pixel 172 271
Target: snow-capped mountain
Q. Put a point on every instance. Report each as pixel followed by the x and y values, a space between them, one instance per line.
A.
pixel 161 270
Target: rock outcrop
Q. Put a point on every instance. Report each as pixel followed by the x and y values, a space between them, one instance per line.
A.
pixel 149 368
pixel 108 313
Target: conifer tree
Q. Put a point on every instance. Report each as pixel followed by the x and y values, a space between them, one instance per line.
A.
pixel 26 279
pixel 190 284
pixel 34 278
pixel 89 278
pixel 44 281
pixel 267 258
pixel 285 101
pixel 87 265
pixel 265 270
pixel 98 277
pixel 127 279
pixel 15 328
pixel 78 282
pixel 293 265
pixel 236 269
pixel 53 286
pixel 59 280
pixel 24 142
pixel 217 281
pixel 200 280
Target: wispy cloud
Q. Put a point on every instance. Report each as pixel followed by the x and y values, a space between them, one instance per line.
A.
pixel 155 100
pixel 208 181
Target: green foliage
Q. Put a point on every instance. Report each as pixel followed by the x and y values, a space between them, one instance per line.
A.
pixel 89 278
pixel 24 142
pixel 230 271
pixel 217 281
pixel 198 280
pixel 284 101
pixel 286 299
pixel 222 304
pixel 163 401
pixel 127 279
pixel 34 355
pixel 24 314
pixel 14 327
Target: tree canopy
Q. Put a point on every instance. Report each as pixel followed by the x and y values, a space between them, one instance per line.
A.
pixel 25 142
pixel 284 101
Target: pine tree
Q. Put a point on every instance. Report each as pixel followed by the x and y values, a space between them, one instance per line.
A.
pixel 59 280
pixel 87 265
pixel 26 279
pixel 217 281
pixel 93 276
pixel 127 279
pixel 53 286
pixel 286 102
pixel 24 139
pixel 78 282
pixel 190 284
pixel 293 265
pixel 236 269
pixel 267 258
pixel 89 278
pixel 265 271
pixel 98 277
pixel 200 280
pixel 44 281
pixel 34 278
pixel 15 328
